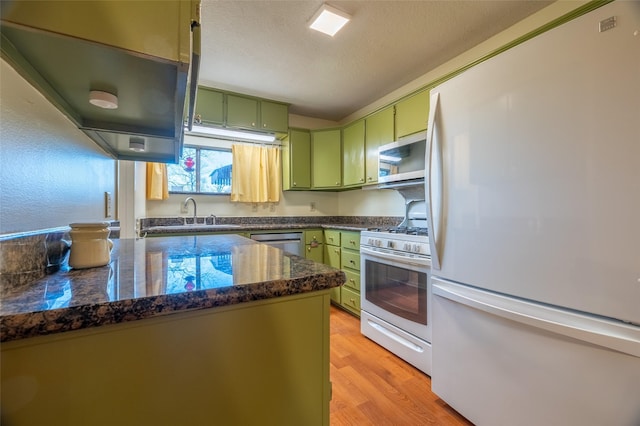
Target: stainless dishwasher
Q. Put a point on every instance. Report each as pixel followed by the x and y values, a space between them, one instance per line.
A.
pixel 291 242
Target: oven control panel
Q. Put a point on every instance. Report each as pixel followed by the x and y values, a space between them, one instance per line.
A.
pixel 417 244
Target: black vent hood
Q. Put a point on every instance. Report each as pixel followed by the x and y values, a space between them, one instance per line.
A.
pixel 65 62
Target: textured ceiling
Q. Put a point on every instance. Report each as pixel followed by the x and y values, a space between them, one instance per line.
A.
pixel 265 48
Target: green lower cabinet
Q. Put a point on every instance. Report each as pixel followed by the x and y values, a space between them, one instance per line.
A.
pixel 342 250
pixel 314 252
pixel 256 363
pixel 332 258
pixel 314 247
pixel 350 300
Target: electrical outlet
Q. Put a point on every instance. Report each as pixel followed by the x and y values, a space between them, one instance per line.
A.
pixel 272 208
pixel 254 207
pixel 108 205
pixel 312 206
pixel 184 208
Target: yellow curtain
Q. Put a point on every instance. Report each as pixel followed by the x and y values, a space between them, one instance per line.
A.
pixel 157 182
pixel 256 174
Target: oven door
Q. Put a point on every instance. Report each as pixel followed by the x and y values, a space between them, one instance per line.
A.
pixel 397 289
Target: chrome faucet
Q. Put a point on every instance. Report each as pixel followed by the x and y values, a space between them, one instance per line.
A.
pixel 195 208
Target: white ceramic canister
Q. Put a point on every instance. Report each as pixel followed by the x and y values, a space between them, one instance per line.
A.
pixel 90 245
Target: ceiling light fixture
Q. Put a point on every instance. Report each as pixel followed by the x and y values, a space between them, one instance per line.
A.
pixel 233 134
pixel 329 20
pixel 103 99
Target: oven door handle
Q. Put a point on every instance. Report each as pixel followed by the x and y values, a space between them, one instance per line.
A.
pixel 400 259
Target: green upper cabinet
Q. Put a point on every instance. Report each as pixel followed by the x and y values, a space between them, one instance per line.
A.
pixel 140 52
pixel 379 130
pixel 326 158
pixel 232 110
pixel 412 114
pixel 242 112
pixel 353 154
pixel 274 116
pixel 296 160
pixel 210 106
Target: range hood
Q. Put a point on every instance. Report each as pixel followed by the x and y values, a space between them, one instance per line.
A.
pixel 144 53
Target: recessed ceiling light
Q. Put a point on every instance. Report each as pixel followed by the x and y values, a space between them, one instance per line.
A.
pixel 329 20
pixel 103 99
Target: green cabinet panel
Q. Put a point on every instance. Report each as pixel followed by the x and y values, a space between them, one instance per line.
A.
pixel 353 154
pixel 296 160
pixel 256 363
pixel 353 280
pixel 332 256
pixel 350 240
pixel 350 259
pixel 332 237
pixel 326 159
pixel 242 112
pixel 313 236
pixel 210 106
pixel 314 252
pixel 378 131
pixel 350 300
pixel 412 114
pixel 314 249
pixel 342 250
pixel 274 116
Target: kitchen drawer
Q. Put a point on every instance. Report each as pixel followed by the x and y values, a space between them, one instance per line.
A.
pixel 350 300
pixel 332 237
pixel 350 259
pixel 313 235
pixel 332 256
pixel 351 240
pixel 353 280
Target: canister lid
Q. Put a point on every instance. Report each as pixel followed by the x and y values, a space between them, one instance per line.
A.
pixel 98 225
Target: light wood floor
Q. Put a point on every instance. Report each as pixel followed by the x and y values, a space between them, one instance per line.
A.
pixel 371 386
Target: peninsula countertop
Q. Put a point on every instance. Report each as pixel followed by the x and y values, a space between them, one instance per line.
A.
pixel 150 277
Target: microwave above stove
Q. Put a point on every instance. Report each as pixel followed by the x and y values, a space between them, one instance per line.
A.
pixel 403 160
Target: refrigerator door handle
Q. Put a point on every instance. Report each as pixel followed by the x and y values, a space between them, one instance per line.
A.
pixel 607 333
pixel 433 183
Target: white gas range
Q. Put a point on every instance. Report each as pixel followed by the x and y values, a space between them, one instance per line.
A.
pixel 396 291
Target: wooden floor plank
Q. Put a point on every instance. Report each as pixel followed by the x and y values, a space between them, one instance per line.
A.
pixel 371 386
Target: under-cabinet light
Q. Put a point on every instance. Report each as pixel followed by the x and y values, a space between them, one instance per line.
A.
pixel 136 144
pixel 103 99
pixel 329 20
pixel 234 134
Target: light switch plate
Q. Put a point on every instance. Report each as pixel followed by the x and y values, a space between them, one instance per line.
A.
pixel 108 204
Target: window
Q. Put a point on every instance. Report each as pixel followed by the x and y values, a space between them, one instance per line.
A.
pixel 201 170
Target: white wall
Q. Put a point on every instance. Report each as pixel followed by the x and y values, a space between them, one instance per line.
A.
pixel 51 174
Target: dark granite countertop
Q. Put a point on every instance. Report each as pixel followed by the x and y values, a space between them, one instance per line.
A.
pixel 150 277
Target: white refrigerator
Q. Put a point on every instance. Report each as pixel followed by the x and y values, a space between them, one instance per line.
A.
pixel 533 190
